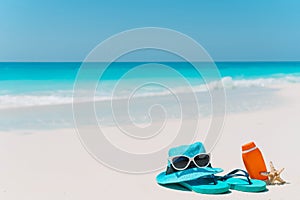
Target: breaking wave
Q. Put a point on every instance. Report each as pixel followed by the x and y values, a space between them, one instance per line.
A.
pixel 10 100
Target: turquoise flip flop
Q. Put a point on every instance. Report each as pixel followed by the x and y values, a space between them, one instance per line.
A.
pixel 239 180
pixel 206 185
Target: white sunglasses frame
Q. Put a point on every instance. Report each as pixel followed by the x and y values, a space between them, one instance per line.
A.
pixel 190 160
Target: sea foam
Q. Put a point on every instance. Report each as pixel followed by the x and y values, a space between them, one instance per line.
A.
pixel 8 100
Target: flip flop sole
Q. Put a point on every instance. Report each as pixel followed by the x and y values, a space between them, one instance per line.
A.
pixel 206 187
pixel 244 186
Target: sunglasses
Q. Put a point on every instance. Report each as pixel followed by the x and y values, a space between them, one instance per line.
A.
pixel 182 162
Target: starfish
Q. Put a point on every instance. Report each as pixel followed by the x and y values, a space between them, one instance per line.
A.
pixel 274 176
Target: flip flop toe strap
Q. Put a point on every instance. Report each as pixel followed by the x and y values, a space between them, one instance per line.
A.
pixel 237 173
pixel 212 178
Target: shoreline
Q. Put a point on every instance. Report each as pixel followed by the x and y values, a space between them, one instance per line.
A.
pixel 61 116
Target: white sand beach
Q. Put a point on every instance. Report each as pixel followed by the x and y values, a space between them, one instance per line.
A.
pixel 53 164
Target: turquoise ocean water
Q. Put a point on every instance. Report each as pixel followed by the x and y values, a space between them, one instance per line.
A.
pixel 40 95
pixel 29 84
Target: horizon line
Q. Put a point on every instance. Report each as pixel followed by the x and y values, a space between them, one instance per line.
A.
pixel 135 61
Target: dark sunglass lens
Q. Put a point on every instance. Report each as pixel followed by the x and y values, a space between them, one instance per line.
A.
pixel 202 160
pixel 180 162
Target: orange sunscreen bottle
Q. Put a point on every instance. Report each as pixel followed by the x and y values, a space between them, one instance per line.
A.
pixel 254 161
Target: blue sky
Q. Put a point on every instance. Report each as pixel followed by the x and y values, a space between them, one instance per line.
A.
pixel 61 30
